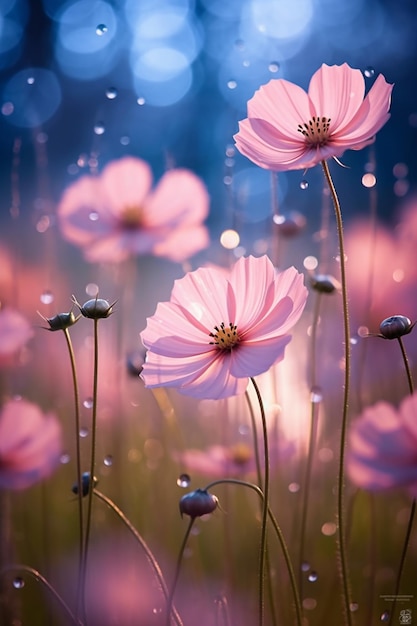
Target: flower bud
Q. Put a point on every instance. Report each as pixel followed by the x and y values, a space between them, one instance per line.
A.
pixel 85 484
pixel 395 327
pixel 197 503
pixel 95 309
pixel 324 283
pixel 61 321
pixel 134 362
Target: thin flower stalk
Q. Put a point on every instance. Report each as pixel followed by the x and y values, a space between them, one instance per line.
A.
pixel 178 569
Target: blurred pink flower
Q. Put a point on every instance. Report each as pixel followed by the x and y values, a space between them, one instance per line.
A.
pixel 117 214
pixel 15 331
pixel 288 129
pixel 382 450
pixel 30 444
pixel 217 330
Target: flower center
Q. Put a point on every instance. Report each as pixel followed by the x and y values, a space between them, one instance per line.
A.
pixel 316 131
pixel 225 337
pixel 131 217
pixel 240 454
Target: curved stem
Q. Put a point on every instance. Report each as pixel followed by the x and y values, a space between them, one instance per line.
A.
pixel 177 569
pixel 78 463
pixel 37 576
pixel 92 462
pixel 153 562
pixel 280 536
pixel 343 433
pixel 263 546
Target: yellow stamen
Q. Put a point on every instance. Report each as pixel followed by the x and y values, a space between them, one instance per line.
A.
pixel 131 217
pixel 225 337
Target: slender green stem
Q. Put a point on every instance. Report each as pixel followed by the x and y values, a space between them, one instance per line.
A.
pixel 278 532
pixel 177 570
pixel 152 561
pixel 263 545
pixel 37 576
pixel 92 462
pixel 343 432
pixel 78 464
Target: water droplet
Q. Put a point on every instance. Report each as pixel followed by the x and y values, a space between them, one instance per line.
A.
pixel 47 297
pixel 31 80
pixel 304 184
pixel 18 582
pixel 183 481
pixel 273 67
pixel 141 101
pixel 316 395
pixel 111 93
pixel 84 432
pixel 313 576
pixel 108 460
pixel 232 84
pixel 65 458
pixel 88 403
pixel 93 216
pixel 293 487
pixel 353 606
pixel 101 30
pixel 384 616
pixel 230 151
pixel 156 611
pixel 305 566
pixel 99 128
pixel 369 71
pixel 125 140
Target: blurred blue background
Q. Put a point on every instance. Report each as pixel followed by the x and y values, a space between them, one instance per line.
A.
pixel 86 81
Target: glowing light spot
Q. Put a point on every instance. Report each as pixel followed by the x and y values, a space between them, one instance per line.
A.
pixel 398 275
pixel 229 239
pixel 310 263
pixel 369 180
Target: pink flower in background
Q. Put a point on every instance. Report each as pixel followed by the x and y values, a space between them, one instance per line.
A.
pixel 15 331
pixel 219 330
pixel 288 129
pixel 382 450
pixel 117 214
pixel 30 444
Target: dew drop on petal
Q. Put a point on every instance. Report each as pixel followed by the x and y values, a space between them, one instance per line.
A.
pixel 108 460
pixel 316 395
pixel 84 432
pixel 101 30
pixel 111 93
pixel 273 67
pixel 18 582
pixel 99 128
pixel 88 403
pixel 369 71
pixel 384 616
pixel 47 297
pixel 183 481
pixel 304 184
pixel 313 576
pixel 232 84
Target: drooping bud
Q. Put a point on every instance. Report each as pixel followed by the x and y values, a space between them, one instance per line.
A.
pixel 95 309
pixel 85 484
pixel 197 503
pixel 324 283
pixel 395 327
pixel 61 321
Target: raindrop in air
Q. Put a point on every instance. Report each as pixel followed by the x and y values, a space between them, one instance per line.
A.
pixel 305 566
pixel 141 101
pixel 83 432
pixel 88 403
pixel 18 583
pixel 293 487
pixel 65 458
pixel 31 80
pixel 304 184
pixel 101 30
pixel 99 128
pixel 369 71
pixel 385 616
pixel 183 481
pixel 47 297
pixel 313 576
pixel 316 395
pixel 273 67
pixel 111 93
pixel 93 216
pixel 108 460
pixel 232 84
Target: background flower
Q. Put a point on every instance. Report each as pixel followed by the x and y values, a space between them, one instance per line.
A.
pixel 116 214
pixel 217 331
pixel 15 331
pixel 288 128
pixel 30 444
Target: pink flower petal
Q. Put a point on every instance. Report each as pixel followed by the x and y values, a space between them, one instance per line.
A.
pixel 15 331
pixel 182 243
pixel 252 359
pixel 125 184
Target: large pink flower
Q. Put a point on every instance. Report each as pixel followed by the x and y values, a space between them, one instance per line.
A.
pixel 382 451
pixel 117 214
pixel 218 330
pixel 30 444
pixel 288 129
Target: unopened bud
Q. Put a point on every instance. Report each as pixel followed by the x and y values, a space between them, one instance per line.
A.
pixel 324 283
pixel 96 308
pixel 395 327
pixel 197 503
pixel 61 321
pixel 85 484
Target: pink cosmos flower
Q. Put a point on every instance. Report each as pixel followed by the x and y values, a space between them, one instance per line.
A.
pixel 15 331
pixel 288 129
pixel 116 215
pixel 30 444
pixel 382 451
pixel 217 330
